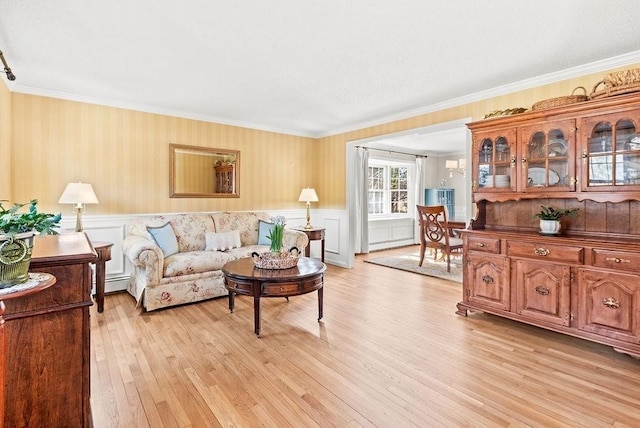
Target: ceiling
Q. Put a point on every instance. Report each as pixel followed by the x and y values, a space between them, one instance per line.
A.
pixel 424 141
pixel 312 67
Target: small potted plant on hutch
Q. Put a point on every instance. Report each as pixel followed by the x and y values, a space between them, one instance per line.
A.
pixel 550 219
pixel 17 231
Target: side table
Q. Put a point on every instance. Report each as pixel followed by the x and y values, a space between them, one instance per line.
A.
pixel 315 234
pixel 103 249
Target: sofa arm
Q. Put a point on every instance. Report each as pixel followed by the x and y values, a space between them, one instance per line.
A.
pixel 295 238
pixel 146 257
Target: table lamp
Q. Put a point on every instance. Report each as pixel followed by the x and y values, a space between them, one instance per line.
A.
pixel 78 194
pixel 308 195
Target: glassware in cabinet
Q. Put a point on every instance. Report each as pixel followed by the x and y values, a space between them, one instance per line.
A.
pixel 494 161
pixel 547 157
pixel 610 152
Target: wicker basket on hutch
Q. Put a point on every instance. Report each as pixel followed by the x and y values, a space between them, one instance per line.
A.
pixel 618 83
pixel 562 101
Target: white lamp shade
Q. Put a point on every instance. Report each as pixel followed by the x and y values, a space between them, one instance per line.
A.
pixel 451 164
pixel 308 195
pixel 78 193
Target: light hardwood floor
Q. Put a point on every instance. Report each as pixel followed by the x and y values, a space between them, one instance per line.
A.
pixel 390 352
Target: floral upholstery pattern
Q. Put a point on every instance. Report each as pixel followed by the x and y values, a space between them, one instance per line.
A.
pixel 192 274
pixel 191 229
pixel 246 223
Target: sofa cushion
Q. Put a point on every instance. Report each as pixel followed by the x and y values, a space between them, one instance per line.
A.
pixel 221 241
pixel 191 230
pixel 195 262
pixel 245 222
pixel 165 238
pixel 264 230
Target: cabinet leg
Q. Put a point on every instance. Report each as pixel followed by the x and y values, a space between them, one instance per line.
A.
pixel 462 310
pixel 320 303
pixel 100 279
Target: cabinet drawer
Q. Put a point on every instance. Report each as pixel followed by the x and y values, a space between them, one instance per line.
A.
pixel 238 286
pixel 616 259
pixel 545 251
pixel 291 288
pixel 488 245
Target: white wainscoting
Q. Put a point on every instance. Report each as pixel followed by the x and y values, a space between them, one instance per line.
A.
pixel 108 229
pixel 336 236
pixel 112 228
pixel 391 233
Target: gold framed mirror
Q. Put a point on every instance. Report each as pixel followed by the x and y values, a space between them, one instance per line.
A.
pixel 203 172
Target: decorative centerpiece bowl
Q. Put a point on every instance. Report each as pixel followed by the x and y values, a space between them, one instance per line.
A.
pixel 276 260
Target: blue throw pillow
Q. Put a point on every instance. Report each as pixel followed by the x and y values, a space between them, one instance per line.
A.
pixel 264 229
pixel 165 238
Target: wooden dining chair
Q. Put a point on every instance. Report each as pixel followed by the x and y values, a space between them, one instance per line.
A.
pixel 435 233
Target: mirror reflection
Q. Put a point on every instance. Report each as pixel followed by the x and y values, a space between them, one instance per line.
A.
pixel 203 172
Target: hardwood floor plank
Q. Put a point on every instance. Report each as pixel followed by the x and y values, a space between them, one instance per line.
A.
pixel 389 352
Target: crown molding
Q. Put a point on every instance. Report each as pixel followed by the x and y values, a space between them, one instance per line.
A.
pixel 32 90
pixel 594 67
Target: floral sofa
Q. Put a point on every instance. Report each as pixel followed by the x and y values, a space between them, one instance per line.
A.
pixel 194 272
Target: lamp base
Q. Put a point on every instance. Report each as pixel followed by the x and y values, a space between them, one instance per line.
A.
pixel 79 219
pixel 308 225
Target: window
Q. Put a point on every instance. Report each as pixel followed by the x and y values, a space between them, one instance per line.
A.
pixel 388 188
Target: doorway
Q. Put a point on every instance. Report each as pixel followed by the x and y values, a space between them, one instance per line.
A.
pixel 437 142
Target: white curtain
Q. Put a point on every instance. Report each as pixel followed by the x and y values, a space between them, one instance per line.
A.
pixel 361 198
pixel 421 167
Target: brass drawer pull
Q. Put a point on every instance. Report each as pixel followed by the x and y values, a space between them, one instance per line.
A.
pixel 617 260
pixel 487 279
pixel 542 290
pixel 610 302
pixel 480 244
pixel 541 251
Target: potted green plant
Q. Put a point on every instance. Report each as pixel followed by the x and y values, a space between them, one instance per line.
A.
pixel 276 234
pixel 550 218
pixel 17 230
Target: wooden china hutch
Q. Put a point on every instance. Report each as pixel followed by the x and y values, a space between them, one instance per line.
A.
pixel 584 282
pixel 225 178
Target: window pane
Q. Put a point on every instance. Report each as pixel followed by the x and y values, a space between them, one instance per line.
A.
pixel 376 202
pixel 399 202
pixel 388 189
pixel 376 178
pixel 399 177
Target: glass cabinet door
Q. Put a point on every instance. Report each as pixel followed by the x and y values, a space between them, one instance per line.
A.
pixel 494 161
pixel 610 152
pixel 547 157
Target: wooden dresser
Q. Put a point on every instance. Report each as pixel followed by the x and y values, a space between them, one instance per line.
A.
pixel 584 282
pixel 48 339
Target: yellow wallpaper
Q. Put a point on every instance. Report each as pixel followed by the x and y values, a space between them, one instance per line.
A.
pixel 5 142
pixel 124 154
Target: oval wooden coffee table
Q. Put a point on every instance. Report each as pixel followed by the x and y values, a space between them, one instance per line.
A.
pixel 242 277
